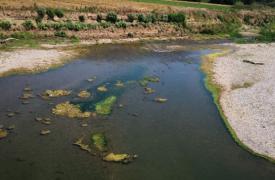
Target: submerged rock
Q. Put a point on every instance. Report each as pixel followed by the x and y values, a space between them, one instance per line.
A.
pixel 3 133
pixel 45 132
pixel 111 157
pixel 148 90
pixel 11 127
pixel 161 100
pixel 145 81
pixel 26 96
pixel 102 89
pixel 92 79
pixel 56 93
pixel 82 146
pixel 99 141
pixel 84 94
pixel 11 114
pixel 70 110
pixel 104 107
pixel 119 84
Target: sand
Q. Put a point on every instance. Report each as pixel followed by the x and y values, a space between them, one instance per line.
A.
pixel 31 60
pixel 248 95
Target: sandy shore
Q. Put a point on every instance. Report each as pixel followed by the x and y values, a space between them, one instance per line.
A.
pixel 31 60
pixel 248 95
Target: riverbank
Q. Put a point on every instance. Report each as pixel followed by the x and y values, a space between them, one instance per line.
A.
pixel 242 83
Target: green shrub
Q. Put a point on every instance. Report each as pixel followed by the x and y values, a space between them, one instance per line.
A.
pixel 141 18
pixel 28 25
pixel 81 18
pixel 5 25
pixel 38 19
pixel 121 24
pixel 105 24
pixel 267 33
pixel 164 18
pixel 69 25
pixel 152 18
pixel 131 17
pixel 111 17
pixel 92 26
pixel 57 26
pixel 177 18
pixel 59 13
pixel 41 12
pixel 99 18
pixel 42 26
pixel 50 13
pixel 60 34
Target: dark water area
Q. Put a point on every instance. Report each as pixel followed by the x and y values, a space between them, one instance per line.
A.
pixel 184 138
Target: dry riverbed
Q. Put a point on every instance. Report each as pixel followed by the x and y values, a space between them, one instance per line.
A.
pixel 32 60
pixel 247 80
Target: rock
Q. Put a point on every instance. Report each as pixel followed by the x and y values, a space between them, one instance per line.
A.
pixel 84 94
pixel 92 79
pixel 111 157
pixel 82 146
pixel 45 132
pixel 148 90
pixel 119 84
pixel 38 119
pixel 11 127
pixel 84 125
pixel 3 133
pixel 102 89
pixel 161 100
pixel 56 93
pixel 10 114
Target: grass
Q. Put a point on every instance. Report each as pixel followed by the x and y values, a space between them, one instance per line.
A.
pixel 216 90
pixel 188 4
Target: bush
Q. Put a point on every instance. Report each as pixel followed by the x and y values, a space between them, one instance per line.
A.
pixel 99 18
pixel 141 18
pixel 111 17
pixel 267 33
pixel 131 17
pixel 5 25
pixel 28 25
pixel 42 26
pixel 152 18
pixel 121 24
pixel 60 34
pixel 81 18
pixel 164 18
pixel 41 12
pixel 59 13
pixel 105 24
pixel 57 26
pixel 92 26
pixel 50 13
pixel 177 18
pixel 22 35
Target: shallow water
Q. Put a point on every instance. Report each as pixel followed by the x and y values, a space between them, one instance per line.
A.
pixel 183 138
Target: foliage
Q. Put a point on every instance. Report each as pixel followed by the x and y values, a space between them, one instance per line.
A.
pixel 104 107
pixel 267 33
pixel 60 34
pixel 131 17
pixel 177 18
pixel 105 24
pixel 22 35
pixel 100 142
pixel 5 25
pixel 41 12
pixel 111 17
pixel 121 24
pixel 141 18
pixel 42 26
pixel 81 18
pixel 50 13
pixel 99 18
pixel 28 25
pixel 59 13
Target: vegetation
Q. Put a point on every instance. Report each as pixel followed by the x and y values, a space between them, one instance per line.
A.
pixel 131 17
pixel 5 25
pixel 81 18
pixel 111 17
pixel 121 24
pixel 60 34
pixel 28 25
pixel 177 18
pixel 267 33
pixel 59 13
pixel 41 12
pixel 50 13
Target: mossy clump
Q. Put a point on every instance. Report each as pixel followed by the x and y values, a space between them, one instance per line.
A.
pixel 99 141
pixel 104 107
pixel 111 157
pixel 144 82
pixel 56 93
pixel 84 94
pixel 70 110
pixel 83 146
pixel 3 133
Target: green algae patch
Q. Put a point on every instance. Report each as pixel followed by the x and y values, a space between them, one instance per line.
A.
pixel 148 90
pixel 104 107
pixel 111 157
pixel 56 93
pixel 145 81
pixel 3 133
pixel 84 94
pixel 70 110
pixel 99 141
